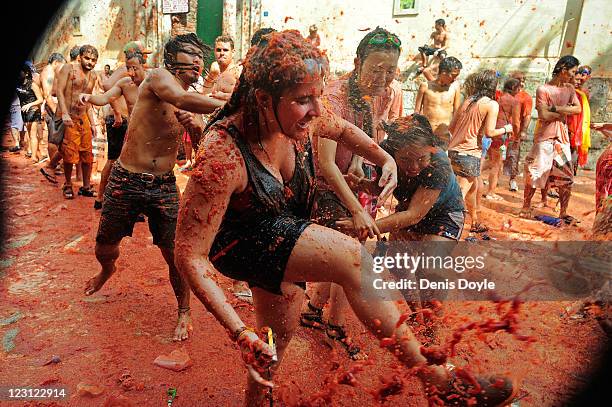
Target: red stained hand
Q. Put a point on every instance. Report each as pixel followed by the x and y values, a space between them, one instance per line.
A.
pixel 257 355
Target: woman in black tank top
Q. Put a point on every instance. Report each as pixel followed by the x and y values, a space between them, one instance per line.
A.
pixel 30 98
pixel 245 210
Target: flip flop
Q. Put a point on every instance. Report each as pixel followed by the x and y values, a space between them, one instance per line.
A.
pixel 493 197
pixel 48 176
pixel 570 220
pixel 479 228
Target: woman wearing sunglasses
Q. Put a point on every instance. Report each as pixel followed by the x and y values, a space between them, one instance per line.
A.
pixel 365 98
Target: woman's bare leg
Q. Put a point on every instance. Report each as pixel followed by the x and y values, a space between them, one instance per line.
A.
pixel 281 313
pixel 323 254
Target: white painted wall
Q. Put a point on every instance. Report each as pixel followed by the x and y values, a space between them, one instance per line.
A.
pixel 504 34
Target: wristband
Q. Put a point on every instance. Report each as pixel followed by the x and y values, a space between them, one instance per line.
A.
pixel 240 332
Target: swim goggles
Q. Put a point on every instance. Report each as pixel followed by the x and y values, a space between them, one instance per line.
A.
pixel 584 71
pixel 382 38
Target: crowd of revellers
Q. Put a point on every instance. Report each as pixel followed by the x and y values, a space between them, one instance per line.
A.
pixel 291 168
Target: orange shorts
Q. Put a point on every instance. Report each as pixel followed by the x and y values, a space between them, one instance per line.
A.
pixel 77 145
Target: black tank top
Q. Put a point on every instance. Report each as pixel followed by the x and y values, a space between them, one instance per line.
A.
pixel 265 196
pixel 26 94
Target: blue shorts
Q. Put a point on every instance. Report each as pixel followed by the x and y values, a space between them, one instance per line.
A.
pixel 486 143
pixel 464 165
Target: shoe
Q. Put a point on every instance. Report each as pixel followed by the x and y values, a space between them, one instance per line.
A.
pixel 479 228
pixel 97 205
pixel 87 192
pixel 28 155
pixel 553 194
pixel 513 186
pixel 67 191
pixel 15 149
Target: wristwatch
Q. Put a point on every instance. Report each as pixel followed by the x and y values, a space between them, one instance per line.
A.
pixel 553 109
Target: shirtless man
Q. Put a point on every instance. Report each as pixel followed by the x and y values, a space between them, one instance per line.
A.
pixel 224 73
pixel 440 40
pixel 47 76
pixel 50 171
pixel 142 179
pixel 128 88
pixel 74 79
pixel 439 99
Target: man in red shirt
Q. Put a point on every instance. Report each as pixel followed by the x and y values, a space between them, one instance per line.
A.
pixel 549 161
pixel 514 147
pixel 509 113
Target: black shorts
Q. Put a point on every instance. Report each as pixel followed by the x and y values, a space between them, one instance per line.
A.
pixel 427 50
pixel 328 208
pixel 115 137
pixel 258 253
pixel 130 194
pixel 464 165
pixel 32 115
pixel 448 225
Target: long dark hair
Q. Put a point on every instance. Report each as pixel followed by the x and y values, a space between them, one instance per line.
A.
pixel 275 64
pixel 413 130
pixel 176 45
pixel 482 83
pixel 565 62
pixel 26 82
pixel 355 98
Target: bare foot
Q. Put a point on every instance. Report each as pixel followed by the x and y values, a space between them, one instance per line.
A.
pixel 542 205
pixel 183 326
pixel 525 213
pixel 96 282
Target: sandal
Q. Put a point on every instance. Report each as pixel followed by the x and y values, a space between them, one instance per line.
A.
pixel 49 177
pixel 88 192
pixel 337 333
pixel 68 192
pixel 570 220
pixel 494 197
pixel 479 228
pixel 313 318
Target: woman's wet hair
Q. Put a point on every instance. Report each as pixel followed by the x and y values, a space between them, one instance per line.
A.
pixel 409 131
pixel 366 46
pixel 511 84
pixel 480 84
pixel 565 62
pixel 177 44
pixel 279 62
pixel 88 49
pixel 258 36
pixel 28 76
